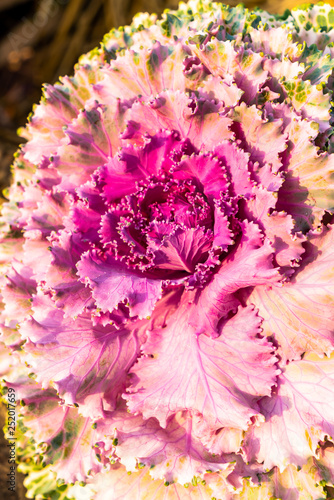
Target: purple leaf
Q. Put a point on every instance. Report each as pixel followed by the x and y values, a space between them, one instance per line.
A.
pixel 112 283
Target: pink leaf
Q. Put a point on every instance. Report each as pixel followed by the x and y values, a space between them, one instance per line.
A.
pixel 60 277
pixel 216 87
pixel 204 126
pixel 112 282
pixel 49 214
pixel 275 41
pixel 120 175
pixel 87 363
pixel 278 227
pixel 308 189
pixel 36 254
pixel 301 313
pixel 263 138
pixel 208 376
pixel 177 247
pixel 208 170
pixel 223 59
pixel 236 161
pixel 297 416
pixel 61 104
pixel 56 112
pixel 144 72
pixel 91 139
pixel 65 439
pixel 174 454
pixel 17 293
pixel 248 264
pixel 224 440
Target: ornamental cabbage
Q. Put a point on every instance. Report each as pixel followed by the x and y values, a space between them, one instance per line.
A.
pixel 167 256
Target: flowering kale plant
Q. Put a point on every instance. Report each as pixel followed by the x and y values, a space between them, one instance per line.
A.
pixel 168 257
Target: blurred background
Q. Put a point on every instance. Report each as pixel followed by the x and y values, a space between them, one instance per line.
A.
pixel 41 40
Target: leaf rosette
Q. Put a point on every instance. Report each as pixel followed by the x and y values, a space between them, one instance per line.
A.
pixel 168 258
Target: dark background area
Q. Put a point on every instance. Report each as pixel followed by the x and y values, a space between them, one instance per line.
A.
pixel 39 41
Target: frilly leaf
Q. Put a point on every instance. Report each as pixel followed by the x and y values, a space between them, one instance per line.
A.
pixel 90 140
pixel 308 189
pixel 275 42
pixel 138 485
pixel 146 71
pixel 264 139
pixel 59 106
pixel 315 17
pixel 17 294
pixel 112 282
pixel 66 439
pixel 319 64
pixel 204 126
pixel 325 463
pixel 291 484
pixel 174 454
pixel 297 416
pixel 309 100
pixel 83 361
pixel 302 321
pixel 209 376
pixel 245 66
pixel 61 278
pixel 227 93
pixel 248 264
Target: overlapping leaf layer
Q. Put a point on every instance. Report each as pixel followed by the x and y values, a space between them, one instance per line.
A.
pixel 168 261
